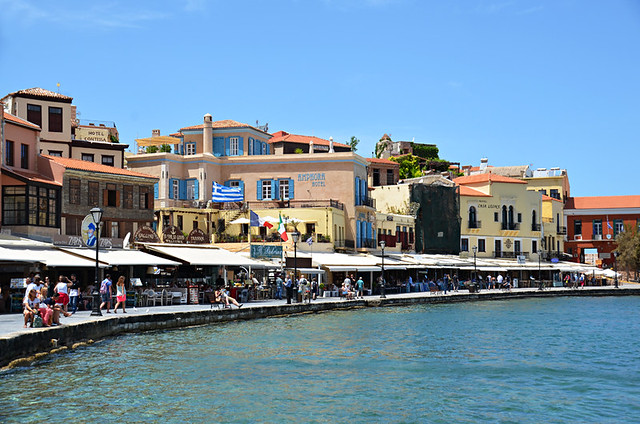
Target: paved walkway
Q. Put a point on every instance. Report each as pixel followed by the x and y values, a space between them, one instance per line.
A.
pixel 12 324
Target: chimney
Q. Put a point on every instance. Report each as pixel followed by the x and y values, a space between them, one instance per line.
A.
pixel 331 145
pixel 483 164
pixel 155 133
pixel 74 115
pixel 207 135
pixel 311 147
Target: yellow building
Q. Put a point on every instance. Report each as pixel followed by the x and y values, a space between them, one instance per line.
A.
pixel 553 182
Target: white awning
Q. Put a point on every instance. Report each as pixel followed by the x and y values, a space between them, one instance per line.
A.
pixel 361 268
pixel 310 271
pixel 205 256
pixel 49 257
pixel 123 257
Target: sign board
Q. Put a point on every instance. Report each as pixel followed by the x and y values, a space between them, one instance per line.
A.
pixel 88 231
pixel 555 260
pixel 18 283
pixel 77 241
pixel 266 251
pixel 172 234
pixel 197 236
pixel 92 134
pixel 146 234
pixel 521 259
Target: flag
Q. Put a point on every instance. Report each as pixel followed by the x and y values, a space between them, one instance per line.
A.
pixel 256 221
pixel 282 230
pixel 609 225
pixel 310 240
pixel 220 193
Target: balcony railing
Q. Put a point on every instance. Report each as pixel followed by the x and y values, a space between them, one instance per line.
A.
pixel 474 224
pixel 349 244
pixel 279 204
pixel 535 227
pixel 511 226
pixel 561 230
pixel 510 255
pixel 367 201
pixel 368 243
pixel 389 239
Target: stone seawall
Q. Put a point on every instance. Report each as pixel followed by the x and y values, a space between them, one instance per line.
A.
pixel 18 350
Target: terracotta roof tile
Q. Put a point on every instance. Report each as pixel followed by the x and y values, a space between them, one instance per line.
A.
pixel 225 123
pixel 282 136
pixel 386 161
pixel 41 92
pixel 32 176
pixel 483 178
pixel 15 119
pixel 84 165
pixel 603 202
pixel 468 191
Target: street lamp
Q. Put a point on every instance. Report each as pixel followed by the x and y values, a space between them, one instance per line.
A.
pixel 475 269
pixel 539 271
pixel 295 236
pixel 382 245
pixel 96 214
pixel 615 266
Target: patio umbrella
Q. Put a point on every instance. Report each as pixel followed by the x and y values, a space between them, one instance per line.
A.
pixel 241 221
pixel 611 273
pixel 269 219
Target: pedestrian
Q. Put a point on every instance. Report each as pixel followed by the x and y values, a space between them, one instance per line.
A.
pixel 288 285
pixel 360 287
pixel 121 295
pixel 314 288
pixel 105 293
pixel 456 282
pixel 500 280
pixel 63 289
pixel 279 283
pixel 74 293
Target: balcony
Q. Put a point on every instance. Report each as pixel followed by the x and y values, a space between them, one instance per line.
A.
pixel 389 239
pixel 367 201
pixel 280 204
pixel 535 227
pixel 561 231
pixel 510 255
pixel 474 224
pixel 368 244
pixel 511 226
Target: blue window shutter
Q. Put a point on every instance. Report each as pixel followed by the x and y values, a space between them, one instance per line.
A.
pixel 155 191
pixel 363 191
pixel 182 189
pixel 275 189
pixel 291 194
pixel 196 189
pixel 171 188
pixel 268 149
pixel 357 233
pixel 240 146
pixel 259 189
pixel 227 183
pixel 357 191
pixel 218 146
pixel 226 146
pixel 242 188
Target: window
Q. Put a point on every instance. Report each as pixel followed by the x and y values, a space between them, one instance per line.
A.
pixel 618 226
pixel 473 221
pixel 30 205
pixel 519 217
pixel 8 153
pixel 464 245
pixel 504 218
pixel 191 190
pixel 390 179
pixel 554 193
pixel 74 191
pixel 376 177
pixel 534 246
pixel 57 153
pixel 94 193
pixel 195 225
pixel 190 148
pixel 115 233
pixel 233 146
pixel 597 227
pixel 24 156
pixel 107 160
pixel 284 189
pixel 398 233
pixel 87 157
pixel 496 217
pixel 144 197
pixel 180 222
pixel 175 189
pixel 266 190
pixel 577 227
pixel 543 191
pixel 481 245
pixel 516 247
pixel 14 206
pixel 55 119
pixel 72 226
pixel 128 197
pixel 34 114
pixel 112 195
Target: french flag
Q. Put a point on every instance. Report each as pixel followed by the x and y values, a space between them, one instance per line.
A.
pixel 256 221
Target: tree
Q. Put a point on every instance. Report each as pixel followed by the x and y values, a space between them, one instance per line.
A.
pixel 164 148
pixel 409 166
pixel 382 145
pixel 628 248
pixel 353 143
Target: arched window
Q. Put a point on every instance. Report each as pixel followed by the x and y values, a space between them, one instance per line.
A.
pixel 534 221
pixel 511 225
pixel 504 217
pixel 473 218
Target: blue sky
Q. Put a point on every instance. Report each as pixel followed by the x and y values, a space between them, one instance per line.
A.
pixel 546 83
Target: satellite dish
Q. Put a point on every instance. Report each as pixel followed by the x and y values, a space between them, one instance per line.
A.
pixel 125 243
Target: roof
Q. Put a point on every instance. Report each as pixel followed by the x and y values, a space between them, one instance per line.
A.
pixel 19 121
pixel 484 178
pixel 385 161
pixel 41 92
pixel 603 202
pixel 283 136
pixel 545 197
pixel 225 123
pixel 84 165
pixel 31 176
pixel 468 191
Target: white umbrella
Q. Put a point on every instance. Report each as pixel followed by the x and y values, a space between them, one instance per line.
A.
pixel 294 221
pixel 269 219
pixel 240 221
pixel 611 273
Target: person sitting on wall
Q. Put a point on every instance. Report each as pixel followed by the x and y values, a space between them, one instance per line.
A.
pixel 31 305
pixel 222 296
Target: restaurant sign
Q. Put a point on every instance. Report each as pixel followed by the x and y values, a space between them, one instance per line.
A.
pixel 266 251
pixel 172 234
pixel 76 241
pixel 197 236
pixel 146 234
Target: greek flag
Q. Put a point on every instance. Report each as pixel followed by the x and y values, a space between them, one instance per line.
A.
pixel 222 193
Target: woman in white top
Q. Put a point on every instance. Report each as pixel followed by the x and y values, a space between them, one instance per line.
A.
pixel 62 288
pixel 31 304
pixel 121 295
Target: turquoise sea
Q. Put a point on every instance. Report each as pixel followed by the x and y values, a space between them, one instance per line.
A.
pixel 552 360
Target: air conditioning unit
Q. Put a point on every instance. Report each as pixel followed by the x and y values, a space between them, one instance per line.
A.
pixel 597 236
pixel 577 237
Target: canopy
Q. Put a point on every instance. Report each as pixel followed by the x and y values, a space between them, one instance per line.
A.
pixel 157 141
pixel 204 255
pixel 343 268
pixel 124 257
pixel 49 257
pixel 241 221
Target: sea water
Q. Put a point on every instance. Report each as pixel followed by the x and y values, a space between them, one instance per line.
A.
pixel 561 360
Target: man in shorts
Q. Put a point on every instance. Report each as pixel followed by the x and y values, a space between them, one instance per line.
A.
pixel 105 293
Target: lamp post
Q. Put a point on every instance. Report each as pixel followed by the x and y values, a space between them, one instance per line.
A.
pixel 615 266
pixel 295 236
pixel 96 214
pixel 539 271
pixel 475 269
pixel 382 245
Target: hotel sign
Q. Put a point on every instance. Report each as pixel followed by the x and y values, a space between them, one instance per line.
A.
pixel 92 134
pixel 317 178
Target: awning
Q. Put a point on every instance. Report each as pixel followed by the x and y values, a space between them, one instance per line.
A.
pixel 310 271
pixel 362 268
pixel 157 141
pixel 124 257
pixel 205 256
pixel 49 257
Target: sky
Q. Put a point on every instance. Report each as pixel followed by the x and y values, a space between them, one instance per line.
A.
pixel 545 83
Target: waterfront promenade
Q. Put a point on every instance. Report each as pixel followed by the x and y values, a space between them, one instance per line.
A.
pixel 18 342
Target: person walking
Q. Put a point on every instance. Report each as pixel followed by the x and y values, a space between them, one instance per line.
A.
pixel 360 287
pixel 74 293
pixel 289 288
pixel 279 283
pixel 63 289
pixel 121 295
pixel 105 293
